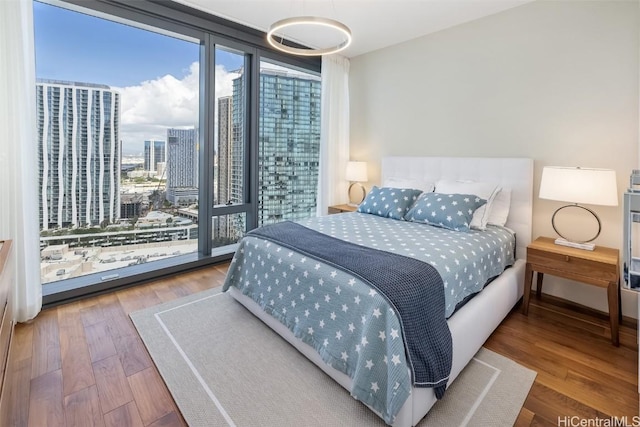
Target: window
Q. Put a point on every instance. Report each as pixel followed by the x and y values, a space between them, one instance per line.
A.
pixel 117 110
pixel 232 118
pixel 164 135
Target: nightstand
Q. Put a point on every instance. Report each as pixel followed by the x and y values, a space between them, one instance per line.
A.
pixel 342 208
pixel 599 267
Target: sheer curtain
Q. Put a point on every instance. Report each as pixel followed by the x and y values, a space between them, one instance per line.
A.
pixel 334 132
pixel 18 154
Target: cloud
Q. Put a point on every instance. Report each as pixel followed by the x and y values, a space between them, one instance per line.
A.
pixel 151 107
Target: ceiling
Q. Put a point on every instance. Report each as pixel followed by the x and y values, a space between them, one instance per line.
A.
pixel 374 23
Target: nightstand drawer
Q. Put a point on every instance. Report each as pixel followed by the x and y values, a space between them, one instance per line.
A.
pixel 573 265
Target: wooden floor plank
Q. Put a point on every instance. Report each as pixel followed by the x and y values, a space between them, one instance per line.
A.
pixel 82 408
pixel 91 312
pixel 138 298
pixel 46 344
pixel 76 362
pixel 172 419
pixel 579 371
pixel 45 408
pixel 525 418
pixel 126 415
pixel 608 398
pixel 152 397
pixel 166 292
pixel 133 354
pixel 99 341
pixel 550 404
pixel 542 422
pixel 113 387
pixel 19 397
pixel 22 342
pixel 119 322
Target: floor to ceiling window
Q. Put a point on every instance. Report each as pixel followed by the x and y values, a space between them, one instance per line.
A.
pixel 162 141
pixel 117 110
pixel 230 200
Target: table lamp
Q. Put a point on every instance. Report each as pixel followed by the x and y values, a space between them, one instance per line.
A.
pixel 356 173
pixel 577 185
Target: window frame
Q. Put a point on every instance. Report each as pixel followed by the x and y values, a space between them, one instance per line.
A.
pixel 211 31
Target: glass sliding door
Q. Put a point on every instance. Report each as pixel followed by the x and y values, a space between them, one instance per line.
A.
pixel 117 123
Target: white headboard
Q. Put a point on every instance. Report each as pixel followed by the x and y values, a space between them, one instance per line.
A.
pixel 513 173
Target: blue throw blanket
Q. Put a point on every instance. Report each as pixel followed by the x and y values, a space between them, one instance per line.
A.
pixel 413 288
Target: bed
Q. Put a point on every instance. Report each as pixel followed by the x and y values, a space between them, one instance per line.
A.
pixel 294 294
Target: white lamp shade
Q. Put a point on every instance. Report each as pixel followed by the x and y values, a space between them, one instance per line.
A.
pixel 357 172
pixel 579 185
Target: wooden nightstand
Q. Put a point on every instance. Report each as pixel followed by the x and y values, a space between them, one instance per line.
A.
pixel 342 208
pixel 599 267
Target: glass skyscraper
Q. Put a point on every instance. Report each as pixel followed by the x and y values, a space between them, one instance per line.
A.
pixel 154 152
pixel 79 153
pixel 223 224
pixel 289 145
pixel 225 135
pixel 182 166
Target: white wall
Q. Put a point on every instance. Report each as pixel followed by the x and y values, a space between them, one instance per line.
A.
pixel 556 81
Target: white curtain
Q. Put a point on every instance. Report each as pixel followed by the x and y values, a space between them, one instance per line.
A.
pixel 334 132
pixel 18 154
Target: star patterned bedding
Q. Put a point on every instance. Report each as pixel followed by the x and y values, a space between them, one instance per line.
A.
pixel 350 325
pixel 407 284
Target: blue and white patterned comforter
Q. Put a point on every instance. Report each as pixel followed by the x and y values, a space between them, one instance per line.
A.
pixel 347 322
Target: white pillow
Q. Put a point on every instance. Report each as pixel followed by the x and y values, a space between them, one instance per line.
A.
pixel 483 190
pixel 416 184
pixel 500 208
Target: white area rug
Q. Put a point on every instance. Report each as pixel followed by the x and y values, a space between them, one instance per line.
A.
pixel 223 366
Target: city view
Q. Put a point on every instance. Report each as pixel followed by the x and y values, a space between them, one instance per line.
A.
pixel 118 154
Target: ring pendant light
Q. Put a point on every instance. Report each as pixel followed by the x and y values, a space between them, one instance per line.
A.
pixel 308 21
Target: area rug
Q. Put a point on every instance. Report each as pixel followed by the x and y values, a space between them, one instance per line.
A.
pixel 223 366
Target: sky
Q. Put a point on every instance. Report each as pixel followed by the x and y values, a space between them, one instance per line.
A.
pixel 156 75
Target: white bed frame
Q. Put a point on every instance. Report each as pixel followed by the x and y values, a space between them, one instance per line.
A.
pixel 472 324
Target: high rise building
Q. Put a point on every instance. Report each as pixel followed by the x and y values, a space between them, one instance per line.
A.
pixel 79 153
pixel 289 144
pixel 222 225
pixel 182 166
pixel 154 152
pixel 225 136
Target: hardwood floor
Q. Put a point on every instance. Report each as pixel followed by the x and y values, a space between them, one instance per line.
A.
pixel 580 373
pixel 83 364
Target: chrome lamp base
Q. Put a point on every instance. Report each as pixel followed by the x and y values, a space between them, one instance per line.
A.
pixel 585 245
pixel 364 194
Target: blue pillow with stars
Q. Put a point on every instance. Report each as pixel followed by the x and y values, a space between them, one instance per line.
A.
pixel 389 202
pixel 452 211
